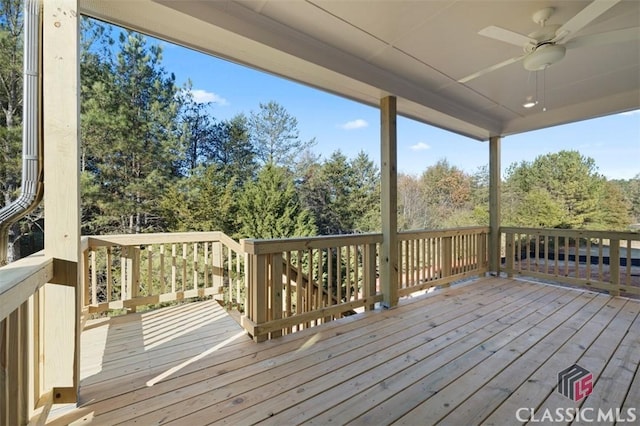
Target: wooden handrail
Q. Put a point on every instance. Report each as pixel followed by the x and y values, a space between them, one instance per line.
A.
pixel 130 270
pixel 23 312
pixel 436 233
pixel 267 246
pixel 584 233
pixel 19 280
pixel 585 258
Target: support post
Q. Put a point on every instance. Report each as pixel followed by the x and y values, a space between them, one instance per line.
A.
pixel 389 202
pixel 494 205
pixel 60 106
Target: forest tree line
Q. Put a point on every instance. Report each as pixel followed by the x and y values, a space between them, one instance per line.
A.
pixel 154 159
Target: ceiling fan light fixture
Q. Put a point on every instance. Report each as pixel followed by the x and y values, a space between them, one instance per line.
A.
pixel 543 56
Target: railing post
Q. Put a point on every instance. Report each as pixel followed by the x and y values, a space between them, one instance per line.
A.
pixel 614 266
pixel 509 253
pixel 389 203
pixel 494 204
pixel 217 267
pixel 131 274
pixel 258 291
pixel 60 125
pixel 369 271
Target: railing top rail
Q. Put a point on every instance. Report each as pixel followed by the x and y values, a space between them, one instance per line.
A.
pixel 22 278
pixel 580 233
pixel 253 246
pixel 160 238
pixel 435 233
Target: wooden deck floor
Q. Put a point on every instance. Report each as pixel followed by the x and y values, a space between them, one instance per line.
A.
pixel 471 354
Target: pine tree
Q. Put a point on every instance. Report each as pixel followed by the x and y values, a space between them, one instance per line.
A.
pixel 269 207
pixel 129 134
pixel 275 135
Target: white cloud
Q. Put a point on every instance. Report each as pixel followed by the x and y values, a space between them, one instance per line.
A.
pixel 202 96
pixel 634 112
pixel 354 124
pixel 420 146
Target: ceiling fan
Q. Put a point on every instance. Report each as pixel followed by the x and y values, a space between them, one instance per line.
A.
pixel 547 45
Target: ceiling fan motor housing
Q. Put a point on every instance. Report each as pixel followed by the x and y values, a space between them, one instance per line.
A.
pixel 543 56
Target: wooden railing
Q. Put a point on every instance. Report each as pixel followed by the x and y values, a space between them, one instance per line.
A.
pixel 431 258
pixel 601 260
pixel 128 271
pixel 22 346
pixel 302 282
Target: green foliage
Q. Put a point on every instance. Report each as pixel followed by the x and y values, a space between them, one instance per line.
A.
pixel 343 195
pixel 10 98
pixel 539 209
pixel 269 207
pixel 562 190
pixel 129 135
pixel 275 135
pixel 203 201
pixel 441 197
pixel 154 159
pixel 630 190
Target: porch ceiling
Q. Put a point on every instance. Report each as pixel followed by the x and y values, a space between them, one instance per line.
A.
pixel 415 50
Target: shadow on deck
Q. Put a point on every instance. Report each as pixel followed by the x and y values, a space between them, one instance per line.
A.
pixel 484 352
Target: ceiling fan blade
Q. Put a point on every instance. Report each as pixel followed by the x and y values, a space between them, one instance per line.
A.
pixel 491 68
pixel 609 37
pixel 583 18
pixel 506 36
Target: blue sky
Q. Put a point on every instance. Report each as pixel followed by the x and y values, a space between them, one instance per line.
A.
pixel 337 123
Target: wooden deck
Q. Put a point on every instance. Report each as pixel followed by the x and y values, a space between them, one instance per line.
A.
pixel 468 354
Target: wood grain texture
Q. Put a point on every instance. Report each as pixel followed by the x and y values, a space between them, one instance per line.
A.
pixel 467 354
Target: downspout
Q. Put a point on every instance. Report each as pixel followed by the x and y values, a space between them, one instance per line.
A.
pixel 31 189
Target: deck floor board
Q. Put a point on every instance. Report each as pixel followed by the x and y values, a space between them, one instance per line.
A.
pixel 468 354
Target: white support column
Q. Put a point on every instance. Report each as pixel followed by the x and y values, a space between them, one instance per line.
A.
pixel 389 202
pixel 60 105
pixel 494 204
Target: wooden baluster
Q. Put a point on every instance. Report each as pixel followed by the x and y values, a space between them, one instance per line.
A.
pixel 134 263
pixel 238 281
pixel 339 274
pixel 614 265
pixel 299 282
pixel 356 273
pixel 320 287
pixel 545 241
pixel 150 291
pixel 348 275
pixel 556 255
pixel 205 265
pixel 195 266
pixel 94 277
pixel 629 261
pixel 369 274
pixel 588 260
pixel 163 288
pixel 288 294
pixel 217 267
pixel 600 260
pixel 276 290
pixel 330 276
pixel 174 267
pixel 447 256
